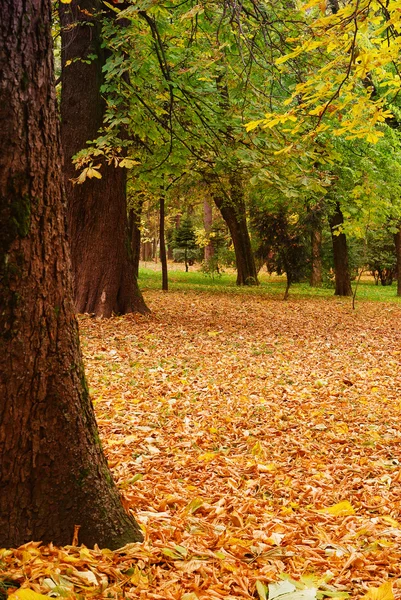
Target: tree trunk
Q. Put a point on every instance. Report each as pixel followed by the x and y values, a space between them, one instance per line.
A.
pixel 207 223
pixel 103 269
pixel 163 255
pixel 53 474
pixel 397 240
pixel 340 251
pixel 233 212
pixel 316 258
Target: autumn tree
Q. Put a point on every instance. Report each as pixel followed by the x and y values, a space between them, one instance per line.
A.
pixel 104 273
pixel 53 474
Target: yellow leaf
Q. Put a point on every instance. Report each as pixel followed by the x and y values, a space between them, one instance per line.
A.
pixel 207 456
pixel 128 163
pixel 257 449
pixel 391 521
pixel 26 594
pixel 253 125
pixel 384 592
pixel 269 468
pixel 93 173
pixel 342 509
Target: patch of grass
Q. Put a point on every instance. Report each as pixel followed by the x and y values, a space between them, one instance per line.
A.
pixel 150 279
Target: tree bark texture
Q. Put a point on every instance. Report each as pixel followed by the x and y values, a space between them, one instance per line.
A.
pixel 233 211
pixel 397 241
pixel 340 252
pixel 316 277
pixel 104 274
pixel 162 237
pixel 53 474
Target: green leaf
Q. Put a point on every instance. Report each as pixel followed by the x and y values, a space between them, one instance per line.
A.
pixel 261 589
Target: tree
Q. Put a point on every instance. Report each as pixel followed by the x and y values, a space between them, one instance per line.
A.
pixel 53 474
pixel 381 256
pixel 104 273
pixel 282 244
pixel 340 253
pixel 184 239
pixel 233 211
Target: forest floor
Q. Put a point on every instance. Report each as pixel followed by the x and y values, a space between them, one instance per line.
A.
pixel 255 441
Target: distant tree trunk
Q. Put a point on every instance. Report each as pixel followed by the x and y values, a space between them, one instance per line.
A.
pixel 233 212
pixel 397 240
pixel 316 256
pixel 104 277
pixel 340 251
pixel 207 223
pixel 147 251
pixel 163 255
pixel 53 474
pixel 134 224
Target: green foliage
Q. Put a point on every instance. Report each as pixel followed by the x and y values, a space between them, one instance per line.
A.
pixel 184 243
pixel 182 82
pixel 184 236
pixel 282 243
pixel 189 255
pixel 381 258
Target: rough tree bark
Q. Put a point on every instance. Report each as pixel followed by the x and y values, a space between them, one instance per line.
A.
pixel 233 211
pixel 340 251
pixel 103 269
pixel 53 474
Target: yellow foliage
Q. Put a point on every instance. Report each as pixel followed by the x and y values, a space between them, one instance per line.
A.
pixel 384 592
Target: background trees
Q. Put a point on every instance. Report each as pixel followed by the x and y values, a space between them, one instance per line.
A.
pixel 184 87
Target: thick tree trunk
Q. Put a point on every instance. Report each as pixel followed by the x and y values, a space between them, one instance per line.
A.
pixel 53 474
pixel 163 254
pixel 316 258
pixel 233 211
pixel 340 251
pixel 104 275
pixel 207 223
pixel 397 240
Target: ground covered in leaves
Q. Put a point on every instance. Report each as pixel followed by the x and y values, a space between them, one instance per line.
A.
pixel 254 440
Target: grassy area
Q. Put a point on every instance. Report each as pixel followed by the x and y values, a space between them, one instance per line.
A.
pixel 150 278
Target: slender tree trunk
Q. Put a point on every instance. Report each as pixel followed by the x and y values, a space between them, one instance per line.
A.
pixel 397 240
pixel 207 223
pixel 53 474
pixel 340 251
pixel 163 255
pixel 233 211
pixel 103 269
pixel 316 256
